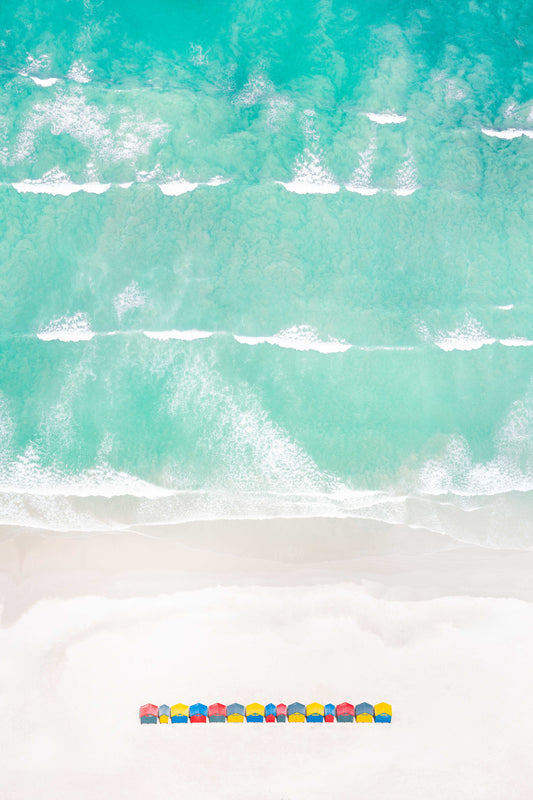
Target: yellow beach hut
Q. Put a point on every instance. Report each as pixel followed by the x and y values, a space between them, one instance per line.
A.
pixel 364 712
pixel 382 712
pixel 255 712
pixel 235 712
pixel 315 712
pixel 179 713
pixel 296 712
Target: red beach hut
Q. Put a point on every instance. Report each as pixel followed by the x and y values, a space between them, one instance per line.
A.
pixel 281 712
pixel 345 712
pixel 149 714
pixel 217 712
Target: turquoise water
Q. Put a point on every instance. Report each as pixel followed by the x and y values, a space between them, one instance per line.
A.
pixel 267 259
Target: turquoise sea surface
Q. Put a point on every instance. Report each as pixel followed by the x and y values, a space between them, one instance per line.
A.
pixel 267 259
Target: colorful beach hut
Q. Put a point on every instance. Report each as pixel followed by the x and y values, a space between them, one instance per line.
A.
pixel 235 712
pixel 364 712
pixel 179 713
pixel 255 712
pixel 198 712
pixel 148 714
pixel 281 712
pixel 164 714
pixel 382 712
pixel 329 712
pixel 345 712
pixel 296 712
pixel 314 712
pixel 270 712
pixel 217 712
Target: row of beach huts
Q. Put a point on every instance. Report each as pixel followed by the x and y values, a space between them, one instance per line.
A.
pixel 255 712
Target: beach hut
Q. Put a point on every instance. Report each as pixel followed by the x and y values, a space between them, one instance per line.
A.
pixel 270 712
pixel 345 712
pixel 198 712
pixel 179 713
pixel 296 712
pixel 364 712
pixel 281 712
pixel 148 714
pixel 255 712
pixel 217 712
pixel 329 712
pixel 235 712
pixel 164 713
pixel 382 712
pixel 314 712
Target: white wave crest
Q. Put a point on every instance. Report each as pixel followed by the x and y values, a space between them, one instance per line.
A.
pixel 185 336
pixel 56 182
pixel 68 329
pixel 508 133
pixel 407 177
pixel 385 118
pixel 79 72
pixel 301 337
pixel 130 298
pixel 469 335
pixel 46 82
pixel 310 176
pixel 361 180
pixel 517 341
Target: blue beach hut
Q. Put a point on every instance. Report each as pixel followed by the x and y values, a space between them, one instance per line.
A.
pixel 198 712
pixel 329 712
pixel 296 712
pixel 364 712
pixel 270 713
pixel 235 712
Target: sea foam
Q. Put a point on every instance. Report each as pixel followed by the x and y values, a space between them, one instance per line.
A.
pixel 67 329
pixel 301 337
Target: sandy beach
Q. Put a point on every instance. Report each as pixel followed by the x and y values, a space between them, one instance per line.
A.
pixel 277 610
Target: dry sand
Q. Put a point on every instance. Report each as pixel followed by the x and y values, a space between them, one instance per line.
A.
pixel 329 610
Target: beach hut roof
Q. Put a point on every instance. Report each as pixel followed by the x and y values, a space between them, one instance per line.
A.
pixel 149 710
pixel 345 708
pixel 235 708
pixel 179 710
pixel 255 708
pixel 198 710
pixel 164 710
pixel 364 708
pixel 295 708
pixel 383 708
pixel 270 710
pixel 315 708
pixel 329 709
pixel 217 710
pixel 281 708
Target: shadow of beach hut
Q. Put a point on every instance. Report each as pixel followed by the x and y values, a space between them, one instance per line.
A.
pixel 314 712
pixel 164 714
pixel 364 712
pixel 217 712
pixel 382 712
pixel 179 713
pixel 149 714
pixel 345 712
pixel 235 712
pixel 270 713
pixel 296 712
pixel 329 712
pixel 255 712
pixel 281 712
pixel 198 712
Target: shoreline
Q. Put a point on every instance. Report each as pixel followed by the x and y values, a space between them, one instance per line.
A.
pixel 387 561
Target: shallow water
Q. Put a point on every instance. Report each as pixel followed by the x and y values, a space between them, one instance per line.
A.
pixel 262 260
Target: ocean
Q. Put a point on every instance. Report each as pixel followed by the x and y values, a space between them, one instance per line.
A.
pixel 264 259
